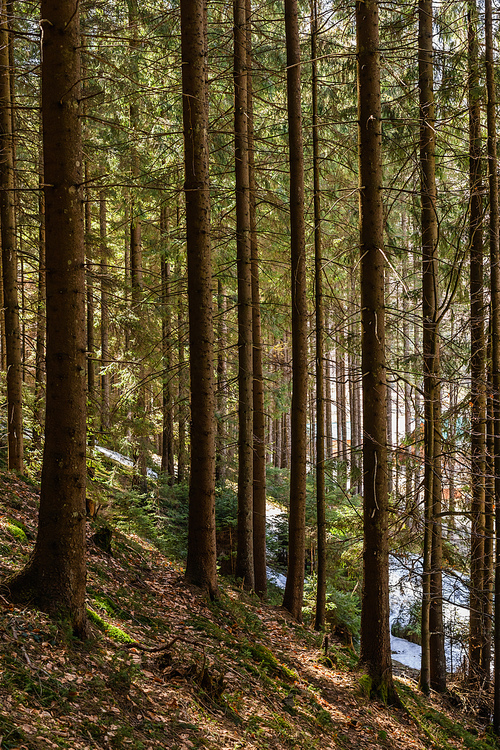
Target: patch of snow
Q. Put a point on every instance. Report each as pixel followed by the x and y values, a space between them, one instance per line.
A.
pixel 278 579
pixel 121 459
pixel 405 590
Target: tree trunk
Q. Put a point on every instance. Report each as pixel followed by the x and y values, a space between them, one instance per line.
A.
pixel 167 443
pixel 478 355
pixel 259 426
pixel 433 670
pixel 39 393
pixel 201 560
pixel 182 397
pixel 220 463
pixel 244 553
pixel 9 256
pixel 375 637
pixel 105 379
pixel 54 577
pixel 494 229
pixel 489 529
pixel 136 272
pixel 292 600
pixel 319 621
pixel 89 289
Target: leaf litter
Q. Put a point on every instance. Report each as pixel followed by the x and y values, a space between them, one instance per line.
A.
pixel 166 668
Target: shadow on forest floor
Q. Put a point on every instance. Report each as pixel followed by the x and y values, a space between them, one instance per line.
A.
pixel 235 673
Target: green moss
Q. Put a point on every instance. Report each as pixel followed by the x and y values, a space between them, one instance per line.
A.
pixel 262 655
pixel 16 530
pixel 10 733
pixel 110 630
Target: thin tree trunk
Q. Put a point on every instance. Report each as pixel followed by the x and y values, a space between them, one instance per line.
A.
pixel 105 379
pixel 182 398
pixel 489 529
pixel 320 617
pixel 478 356
pixel 259 429
pixel 9 257
pixel 220 463
pixel 136 271
pixel 494 229
pixel 433 669
pixel 201 559
pixel 90 289
pixel 38 398
pixel 167 442
pixel 292 600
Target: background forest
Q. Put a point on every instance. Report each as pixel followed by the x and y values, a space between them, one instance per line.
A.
pixel 289 370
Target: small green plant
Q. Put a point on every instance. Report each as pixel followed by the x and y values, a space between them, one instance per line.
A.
pixel 15 529
pixel 110 630
pixel 366 684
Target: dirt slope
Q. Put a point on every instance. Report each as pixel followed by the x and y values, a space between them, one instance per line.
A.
pixel 167 669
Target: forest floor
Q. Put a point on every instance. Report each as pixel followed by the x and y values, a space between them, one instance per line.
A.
pixel 234 673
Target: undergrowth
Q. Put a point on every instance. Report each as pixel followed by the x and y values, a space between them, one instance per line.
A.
pixel 167 668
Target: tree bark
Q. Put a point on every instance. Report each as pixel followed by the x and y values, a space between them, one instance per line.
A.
pixel 259 425
pixel 167 442
pixel 244 553
pixel 478 356
pixel 39 391
pixel 375 651
pixel 182 408
pixel 54 577
pixel 294 588
pixel 105 379
pixel 493 231
pixel 221 395
pixel 136 271
pixel 89 289
pixel 9 257
pixel 201 560
pixel 320 616
pixel 433 670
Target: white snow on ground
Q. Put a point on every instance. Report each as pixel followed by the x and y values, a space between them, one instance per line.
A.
pixel 120 459
pixel 405 588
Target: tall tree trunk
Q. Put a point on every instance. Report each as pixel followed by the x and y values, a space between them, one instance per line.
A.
pixel 182 398
pixel 259 426
pixel 38 399
pixel 489 529
pixel 136 272
pixel 167 443
pixel 89 288
pixel 54 577
pixel 220 462
pixel 292 600
pixel 244 553
pixel 375 637
pixel 494 230
pixel 433 669
pixel 409 507
pixel 9 257
pixel 478 356
pixel 105 379
pixel 319 621
pixel 354 389
pixel 201 560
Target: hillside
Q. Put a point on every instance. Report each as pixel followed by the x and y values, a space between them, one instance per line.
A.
pixel 167 669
